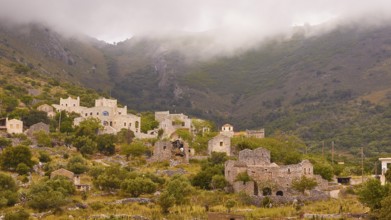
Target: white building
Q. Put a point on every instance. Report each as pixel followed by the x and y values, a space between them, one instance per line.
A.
pixel 171 122
pixel 112 117
pixel 69 105
pixel 227 130
pixel 14 126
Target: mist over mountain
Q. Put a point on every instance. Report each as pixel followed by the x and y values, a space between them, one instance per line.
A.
pixel 319 82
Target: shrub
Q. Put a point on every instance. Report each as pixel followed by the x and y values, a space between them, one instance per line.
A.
pixel 8 190
pixel 244 177
pixel 18 215
pixel 22 169
pixel 13 156
pixel 138 186
pixel 44 157
pixel 77 164
pixel 303 184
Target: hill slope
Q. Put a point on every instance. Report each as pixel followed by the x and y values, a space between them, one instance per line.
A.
pixel 333 86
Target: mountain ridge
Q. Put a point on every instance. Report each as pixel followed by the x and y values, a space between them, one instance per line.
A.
pixel 294 85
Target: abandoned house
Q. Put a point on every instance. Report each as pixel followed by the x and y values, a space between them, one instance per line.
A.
pixel 171 122
pixel 75 179
pixel 256 133
pixel 267 178
pixel 12 126
pixel 220 143
pixel 171 150
pixel 227 130
pixel 48 109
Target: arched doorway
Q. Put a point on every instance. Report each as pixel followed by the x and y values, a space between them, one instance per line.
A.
pixel 266 191
pixel 279 193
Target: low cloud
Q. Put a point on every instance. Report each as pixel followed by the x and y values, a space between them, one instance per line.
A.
pixel 228 24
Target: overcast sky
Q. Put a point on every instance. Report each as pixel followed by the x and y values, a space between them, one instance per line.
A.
pixel 115 20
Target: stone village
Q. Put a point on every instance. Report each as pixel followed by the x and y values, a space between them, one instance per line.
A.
pixel 267 178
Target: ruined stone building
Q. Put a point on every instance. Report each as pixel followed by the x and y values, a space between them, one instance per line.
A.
pixel 165 150
pixel 220 143
pixel 112 117
pixel 171 122
pixel 48 109
pixel 75 179
pixel 256 133
pixel 267 178
pixel 227 130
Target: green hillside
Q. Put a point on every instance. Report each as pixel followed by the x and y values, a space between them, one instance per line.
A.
pixel 330 87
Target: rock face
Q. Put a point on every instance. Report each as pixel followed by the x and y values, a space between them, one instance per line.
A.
pixel 37 127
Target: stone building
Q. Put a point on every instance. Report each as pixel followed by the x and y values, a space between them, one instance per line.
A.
pixel 267 178
pixel 227 130
pixel 171 150
pixel 256 133
pixel 69 105
pixel 63 172
pixel 112 117
pixel 48 109
pixel 75 179
pixel 220 143
pixel 37 127
pixel 13 126
pixel 171 122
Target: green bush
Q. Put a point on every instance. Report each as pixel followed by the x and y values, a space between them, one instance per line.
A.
pixel 22 169
pixel 18 215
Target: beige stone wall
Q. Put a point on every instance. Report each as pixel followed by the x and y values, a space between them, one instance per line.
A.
pixel 103 102
pixel 167 122
pixel 256 133
pixel 220 143
pixel 259 156
pixel 232 169
pixel 257 165
pixel 14 126
pixel 45 108
pixel 165 151
pixel 70 102
pixel 247 187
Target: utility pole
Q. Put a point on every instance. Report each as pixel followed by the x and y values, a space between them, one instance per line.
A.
pixel 59 122
pixel 332 152
pixel 362 164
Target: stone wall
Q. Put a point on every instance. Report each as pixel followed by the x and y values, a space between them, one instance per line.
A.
pixel 259 156
pixel 162 151
pixel 256 133
pixel 232 169
pixel 220 143
pixel 168 151
pixel 257 165
pixel 247 187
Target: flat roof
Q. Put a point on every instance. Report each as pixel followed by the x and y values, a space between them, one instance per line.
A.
pixel 385 158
